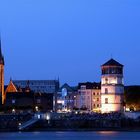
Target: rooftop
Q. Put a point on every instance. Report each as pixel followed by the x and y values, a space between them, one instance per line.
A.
pixel 112 62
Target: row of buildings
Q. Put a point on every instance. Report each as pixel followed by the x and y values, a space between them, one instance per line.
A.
pixel 48 95
pixel 106 96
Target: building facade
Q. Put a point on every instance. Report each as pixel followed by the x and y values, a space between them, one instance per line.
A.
pixel 18 102
pixel 89 97
pixel 41 86
pixel 66 98
pixel 107 96
pixel 112 87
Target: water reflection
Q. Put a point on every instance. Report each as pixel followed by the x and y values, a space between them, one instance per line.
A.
pixel 108 132
pixel 101 135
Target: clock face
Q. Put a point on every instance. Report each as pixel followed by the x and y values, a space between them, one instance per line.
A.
pixel 64 92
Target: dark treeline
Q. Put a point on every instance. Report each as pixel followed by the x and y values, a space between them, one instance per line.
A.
pixel 132 97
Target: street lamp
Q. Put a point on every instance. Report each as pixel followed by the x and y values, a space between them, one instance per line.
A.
pixel 36 108
pixel 13 110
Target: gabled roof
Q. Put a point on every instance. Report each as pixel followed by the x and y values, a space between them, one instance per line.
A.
pixel 90 85
pixel 112 62
pixel 69 89
pixel 11 87
pixel 50 86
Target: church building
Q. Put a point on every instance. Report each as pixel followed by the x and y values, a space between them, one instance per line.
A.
pixel 25 97
pixel 2 94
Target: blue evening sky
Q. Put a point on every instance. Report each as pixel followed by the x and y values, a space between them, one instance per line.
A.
pixel 69 39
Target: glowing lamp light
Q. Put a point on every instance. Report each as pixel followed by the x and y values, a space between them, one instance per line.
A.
pixel 36 108
pixel 19 124
pixel 39 116
pixel 13 110
pixel 60 102
pixel 76 112
pixel 48 117
pixel 127 109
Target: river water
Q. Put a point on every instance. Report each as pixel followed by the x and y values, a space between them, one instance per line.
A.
pixel 101 135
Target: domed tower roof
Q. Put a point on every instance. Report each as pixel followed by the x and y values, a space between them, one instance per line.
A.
pixel 112 62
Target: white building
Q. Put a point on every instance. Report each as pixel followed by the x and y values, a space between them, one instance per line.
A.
pixel 112 87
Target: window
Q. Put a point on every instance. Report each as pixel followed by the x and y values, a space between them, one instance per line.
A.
pixel 106 90
pixel 83 98
pixel 106 80
pixel 38 101
pixel 113 71
pixel 106 100
pixel 64 92
pixel 93 93
pixel 13 101
pixel 83 87
pixel 97 99
pixel 83 92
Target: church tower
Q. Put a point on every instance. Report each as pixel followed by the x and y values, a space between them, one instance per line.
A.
pixel 2 75
pixel 112 87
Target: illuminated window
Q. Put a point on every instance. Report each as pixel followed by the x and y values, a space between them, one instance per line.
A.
pixel 83 87
pixel 64 92
pixel 13 101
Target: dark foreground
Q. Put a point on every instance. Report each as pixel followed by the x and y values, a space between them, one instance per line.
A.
pixel 74 122
pixel 101 135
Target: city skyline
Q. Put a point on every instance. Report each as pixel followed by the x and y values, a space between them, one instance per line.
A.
pixel 69 40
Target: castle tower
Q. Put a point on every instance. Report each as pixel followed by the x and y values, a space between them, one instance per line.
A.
pixel 112 87
pixel 2 75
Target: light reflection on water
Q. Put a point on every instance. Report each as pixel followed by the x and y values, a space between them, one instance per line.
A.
pixel 100 135
pixel 108 132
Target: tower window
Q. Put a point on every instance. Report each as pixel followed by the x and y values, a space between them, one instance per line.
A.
pixel 113 71
pixel 106 90
pixel 106 100
pixel 106 80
